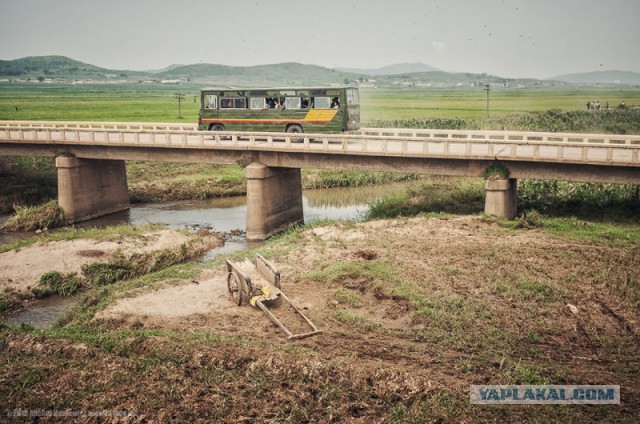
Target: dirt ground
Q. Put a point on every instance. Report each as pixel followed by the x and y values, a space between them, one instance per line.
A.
pixel 413 312
pixel 20 269
pixel 428 246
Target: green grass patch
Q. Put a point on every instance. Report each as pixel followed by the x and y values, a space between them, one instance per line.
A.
pixel 619 202
pixel 160 181
pixel 26 181
pixel 608 233
pixel 348 297
pixel 124 268
pixel 54 282
pixel 435 194
pixel 7 302
pixel 114 233
pixel 521 373
pixel 359 323
pixel 526 290
pixel 496 171
pixel 373 272
pixel 31 218
pixel 324 178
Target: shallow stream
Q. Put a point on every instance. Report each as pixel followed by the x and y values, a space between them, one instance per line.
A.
pixel 227 215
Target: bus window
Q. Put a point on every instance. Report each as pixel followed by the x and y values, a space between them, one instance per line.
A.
pixel 292 103
pixel 352 96
pixel 233 103
pixel 257 103
pixel 321 102
pixel 211 101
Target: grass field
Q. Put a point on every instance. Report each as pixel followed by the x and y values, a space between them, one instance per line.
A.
pixel 472 102
pixel 157 103
pixel 122 102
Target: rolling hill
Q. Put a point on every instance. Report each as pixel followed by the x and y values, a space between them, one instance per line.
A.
pixel 602 77
pixel 62 68
pixel 55 67
pixel 282 73
pixel 397 69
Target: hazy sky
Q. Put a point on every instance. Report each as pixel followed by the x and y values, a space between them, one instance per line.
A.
pixel 510 38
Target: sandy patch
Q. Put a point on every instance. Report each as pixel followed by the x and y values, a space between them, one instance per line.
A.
pixel 196 297
pixel 21 269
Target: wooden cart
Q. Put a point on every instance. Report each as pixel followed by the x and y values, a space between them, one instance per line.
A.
pixel 259 285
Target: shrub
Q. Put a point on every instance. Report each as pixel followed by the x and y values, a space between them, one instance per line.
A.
pixel 587 200
pixel 448 195
pixel 54 282
pixel 530 219
pixel 496 171
pixel 100 273
pixel 31 218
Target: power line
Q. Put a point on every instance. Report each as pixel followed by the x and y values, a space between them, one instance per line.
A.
pixel 487 88
pixel 180 97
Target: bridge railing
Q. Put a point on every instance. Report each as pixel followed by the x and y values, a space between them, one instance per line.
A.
pixel 485 135
pixel 142 126
pixel 586 149
pixel 482 135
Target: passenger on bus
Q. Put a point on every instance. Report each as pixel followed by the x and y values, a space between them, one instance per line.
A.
pixel 335 104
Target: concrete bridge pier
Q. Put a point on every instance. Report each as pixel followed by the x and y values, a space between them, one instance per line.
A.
pixel 501 198
pixel 274 200
pixel 89 188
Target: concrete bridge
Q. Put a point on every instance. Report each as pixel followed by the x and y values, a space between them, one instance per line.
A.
pixel 92 180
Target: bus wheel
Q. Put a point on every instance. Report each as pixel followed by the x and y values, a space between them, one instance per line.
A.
pixel 295 128
pixel 216 127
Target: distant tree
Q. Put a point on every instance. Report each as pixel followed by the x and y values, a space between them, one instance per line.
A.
pixel 41 78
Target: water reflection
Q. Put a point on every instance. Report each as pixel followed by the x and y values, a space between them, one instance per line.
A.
pixel 349 196
pixel 228 214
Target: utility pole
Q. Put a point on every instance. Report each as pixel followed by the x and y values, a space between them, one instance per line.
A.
pixel 179 96
pixel 487 88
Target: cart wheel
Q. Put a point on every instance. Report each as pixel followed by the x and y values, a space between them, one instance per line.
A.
pixel 234 289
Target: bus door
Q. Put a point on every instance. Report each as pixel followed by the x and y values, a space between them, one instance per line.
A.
pixel 353 109
pixel 209 112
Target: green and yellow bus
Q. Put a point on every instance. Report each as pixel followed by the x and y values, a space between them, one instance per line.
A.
pixel 292 110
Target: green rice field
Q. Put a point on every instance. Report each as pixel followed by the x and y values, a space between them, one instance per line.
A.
pixel 158 103
pixel 471 103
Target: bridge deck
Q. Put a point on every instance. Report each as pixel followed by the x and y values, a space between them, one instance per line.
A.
pixel 583 149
